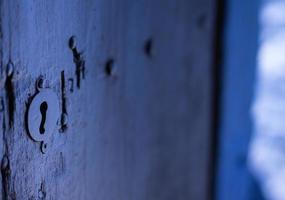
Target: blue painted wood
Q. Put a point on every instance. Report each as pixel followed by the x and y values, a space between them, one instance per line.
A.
pixel 234 181
pixel 138 125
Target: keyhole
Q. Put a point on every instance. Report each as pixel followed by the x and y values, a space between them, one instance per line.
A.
pixel 43 108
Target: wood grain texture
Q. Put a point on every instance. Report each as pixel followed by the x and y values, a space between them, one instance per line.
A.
pixel 139 126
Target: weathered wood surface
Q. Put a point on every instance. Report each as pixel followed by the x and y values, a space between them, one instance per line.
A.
pixel 139 126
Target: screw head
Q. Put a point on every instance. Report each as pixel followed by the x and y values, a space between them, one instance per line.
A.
pixel 1 104
pixel 10 69
pixel 44 147
pixel 64 119
pixel 5 162
pixel 41 194
pixel 41 83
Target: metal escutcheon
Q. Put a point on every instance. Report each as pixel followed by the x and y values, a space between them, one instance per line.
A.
pixel 43 114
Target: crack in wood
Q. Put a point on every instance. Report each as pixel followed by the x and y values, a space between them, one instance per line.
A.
pixel 6 177
pixel 63 102
pixel 10 94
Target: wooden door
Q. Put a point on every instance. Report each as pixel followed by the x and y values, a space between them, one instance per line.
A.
pixel 133 85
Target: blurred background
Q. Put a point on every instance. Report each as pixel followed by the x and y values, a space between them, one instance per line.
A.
pixel 251 132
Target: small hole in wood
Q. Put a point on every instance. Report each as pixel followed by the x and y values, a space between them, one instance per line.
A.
pixel 109 67
pixel 202 21
pixel 148 47
pixel 71 42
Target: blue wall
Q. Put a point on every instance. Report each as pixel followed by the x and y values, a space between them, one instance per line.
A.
pixel 234 181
